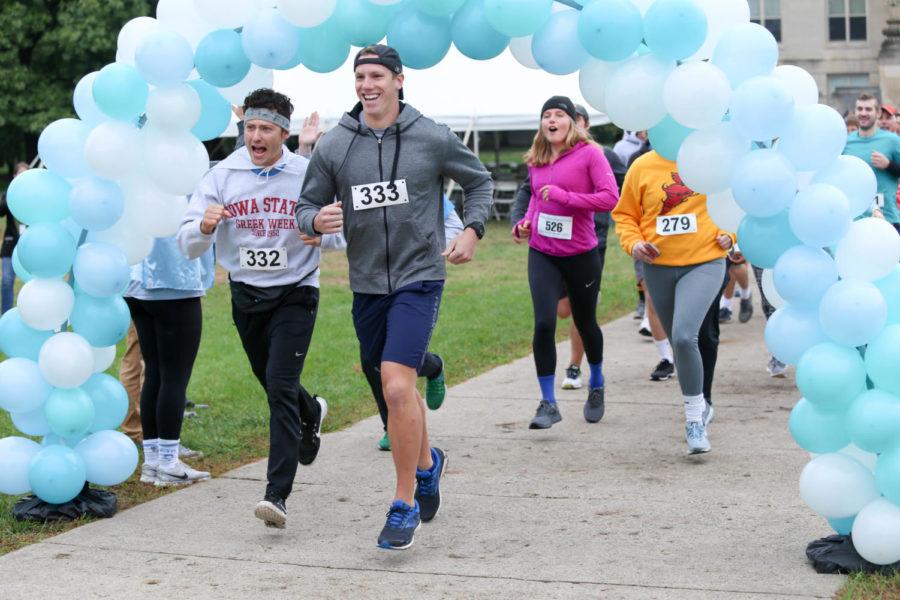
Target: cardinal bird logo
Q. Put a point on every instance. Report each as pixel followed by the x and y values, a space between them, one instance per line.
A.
pixel 676 193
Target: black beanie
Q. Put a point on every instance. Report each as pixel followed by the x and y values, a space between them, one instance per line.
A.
pixel 563 103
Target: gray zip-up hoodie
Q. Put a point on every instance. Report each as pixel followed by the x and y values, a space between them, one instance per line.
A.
pixel 393 246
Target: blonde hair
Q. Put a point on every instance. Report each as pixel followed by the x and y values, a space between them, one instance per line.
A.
pixel 541 153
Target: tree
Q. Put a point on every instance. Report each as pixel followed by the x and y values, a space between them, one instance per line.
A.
pixel 46 47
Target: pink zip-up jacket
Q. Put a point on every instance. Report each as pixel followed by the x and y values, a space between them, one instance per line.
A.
pixel 581 183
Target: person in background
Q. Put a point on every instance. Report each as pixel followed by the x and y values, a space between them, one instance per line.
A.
pixel 852 123
pixel 10 238
pixel 887 118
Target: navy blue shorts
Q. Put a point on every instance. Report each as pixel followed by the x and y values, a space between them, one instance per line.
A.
pixel 397 327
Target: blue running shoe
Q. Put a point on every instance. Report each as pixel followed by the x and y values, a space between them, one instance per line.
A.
pixel 695 434
pixel 428 486
pixel 402 522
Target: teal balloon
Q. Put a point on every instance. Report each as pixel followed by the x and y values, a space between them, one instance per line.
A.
pixel 220 58
pixel 324 48
pixel 873 420
pixel 215 112
pixel 791 331
pixel 803 274
pixel 57 474
pixel 101 269
pixel 38 196
pixel 61 147
pixel 31 423
pixel 69 412
pixel 667 136
pixel 517 18
pixel 46 250
pixel 887 473
pixel 842 526
pixel 21 273
pixel 17 339
pixel 110 401
pixel 120 92
pixel 852 312
pixel 96 204
pixel 438 8
pixel 764 183
pixel 422 40
pixel 762 108
pixel 109 457
pixel 611 30
pixel 101 321
pixel 362 22
pixel 881 359
pixel 269 40
pixel 675 29
pixel 816 430
pixel 830 376
pixel 473 35
pixel 555 46
pixel 764 239
pixel 890 289
pixel 746 51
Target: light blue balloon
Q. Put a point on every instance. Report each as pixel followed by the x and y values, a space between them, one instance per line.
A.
pixel 873 421
pixel 69 412
pixel 438 8
pixel 820 215
pixel 764 183
pixel 61 147
pixel 96 204
pixel 51 439
pixel 555 46
pixel 120 92
pixel 109 456
pixel 101 269
pixel 16 454
pixel 803 274
pixel 215 112
pixel 83 101
pixel 220 58
pixel 762 108
pixel 675 29
pixel 422 40
pixel 852 312
pixel 817 431
pixel 101 321
pixel 764 239
pixel 324 48
pixel 22 387
pixel 31 423
pixel 842 526
pixel 110 401
pixel 855 178
pixel 887 474
pixel 164 58
pixel 831 376
pixel 814 138
pixel 517 18
pixel 791 331
pixel 46 250
pixel 57 474
pixel 890 289
pixel 667 136
pixel 881 360
pixel 38 196
pixel 269 40
pixel 21 273
pixel 361 22
pixel 473 35
pixel 611 30
pixel 297 59
pixel 19 340
pixel 746 51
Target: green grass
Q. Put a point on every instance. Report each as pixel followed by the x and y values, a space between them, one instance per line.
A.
pixel 870 587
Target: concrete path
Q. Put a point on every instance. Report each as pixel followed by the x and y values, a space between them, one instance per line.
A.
pixel 615 510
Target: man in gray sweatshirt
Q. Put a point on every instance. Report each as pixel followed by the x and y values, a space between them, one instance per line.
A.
pixel 386 163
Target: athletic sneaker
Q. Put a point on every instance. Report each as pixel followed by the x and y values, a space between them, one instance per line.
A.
pixel 402 522
pixel 384 443
pixel 663 371
pixel 746 310
pixel 776 368
pixel 573 378
pixel 185 452
pixel 310 440
pixel 645 331
pixel 148 473
pixel 695 434
pixel 180 474
pixel 428 486
pixel 594 407
pixel 272 511
pixel 639 310
pixel 708 414
pixel 435 389
pixel 724 314
pixel 547 414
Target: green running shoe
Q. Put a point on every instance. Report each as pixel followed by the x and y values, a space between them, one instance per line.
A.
pixel 435 390
pixel 384 443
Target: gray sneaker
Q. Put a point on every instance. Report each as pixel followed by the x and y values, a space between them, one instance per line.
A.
pixel 746 310
pixel 148 473
pixel 776 368
pixel 708 414
pixel 547 414
pixel 180 474
pixel 185 452
pixel 595 406
pixel 695 434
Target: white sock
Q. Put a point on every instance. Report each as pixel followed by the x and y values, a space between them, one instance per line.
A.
pixel 168 453
pixel 725 302
pixel 693 408
pixel 151 452
pixel 665 350
pixel 645 324
pixel 746 293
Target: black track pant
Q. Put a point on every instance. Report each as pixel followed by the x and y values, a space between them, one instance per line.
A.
pixel 580 274
pixel 169 335
pixel 431 366
pixel 708 342
pixel 276 342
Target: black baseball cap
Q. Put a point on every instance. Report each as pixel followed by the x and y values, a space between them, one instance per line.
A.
pixel 564 103
pixel 384 55
pixel 582 112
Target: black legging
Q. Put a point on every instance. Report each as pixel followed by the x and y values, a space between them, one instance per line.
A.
pixel 431 366
pixel 581 276
pixel 169 335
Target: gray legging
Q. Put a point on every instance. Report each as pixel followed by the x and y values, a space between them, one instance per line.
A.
pixel 682 297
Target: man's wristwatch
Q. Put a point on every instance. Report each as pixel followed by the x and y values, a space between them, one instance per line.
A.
pixel 477 227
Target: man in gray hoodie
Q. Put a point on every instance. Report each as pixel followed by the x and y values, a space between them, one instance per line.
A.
pixel 386 163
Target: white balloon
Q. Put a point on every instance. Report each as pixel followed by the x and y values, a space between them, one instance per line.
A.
pixel 634 96
pixel 876 532
pixel 870 250
pixel 708 157
pixel 520 48
pixel 66 360
pixel 721 15
pixel 309 13
pixel 182 17
pixel 45 304
pixel 837 486
pixel 868 459
pixel 132 34
pixel 769 291
pixel 593 79
pixel 724 210
pixel 136 245
pixel 697 94
pixel 103 358
pixel 155 214
pixel 113 150
pixel 225 14
pixel 175 107
pixel 257 78
pixel 800 83
pixel 175 162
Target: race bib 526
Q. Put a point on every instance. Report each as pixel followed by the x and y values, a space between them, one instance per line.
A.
pixel 376 195
pixel 554 226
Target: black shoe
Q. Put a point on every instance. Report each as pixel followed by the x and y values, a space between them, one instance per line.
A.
pixel 663 371
pixel 746 311
pixel 644 331
pixel 547 414
pixel 428 486
pixel 272 511
pixel 310 439
pixel 724 314
pixel 595 405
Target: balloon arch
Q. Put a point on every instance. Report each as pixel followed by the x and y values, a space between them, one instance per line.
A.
pixel 695 73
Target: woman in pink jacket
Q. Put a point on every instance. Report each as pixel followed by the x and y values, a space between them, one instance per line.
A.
pixel 570 181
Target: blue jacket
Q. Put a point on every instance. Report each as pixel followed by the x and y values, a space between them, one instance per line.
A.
pixel 166 272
